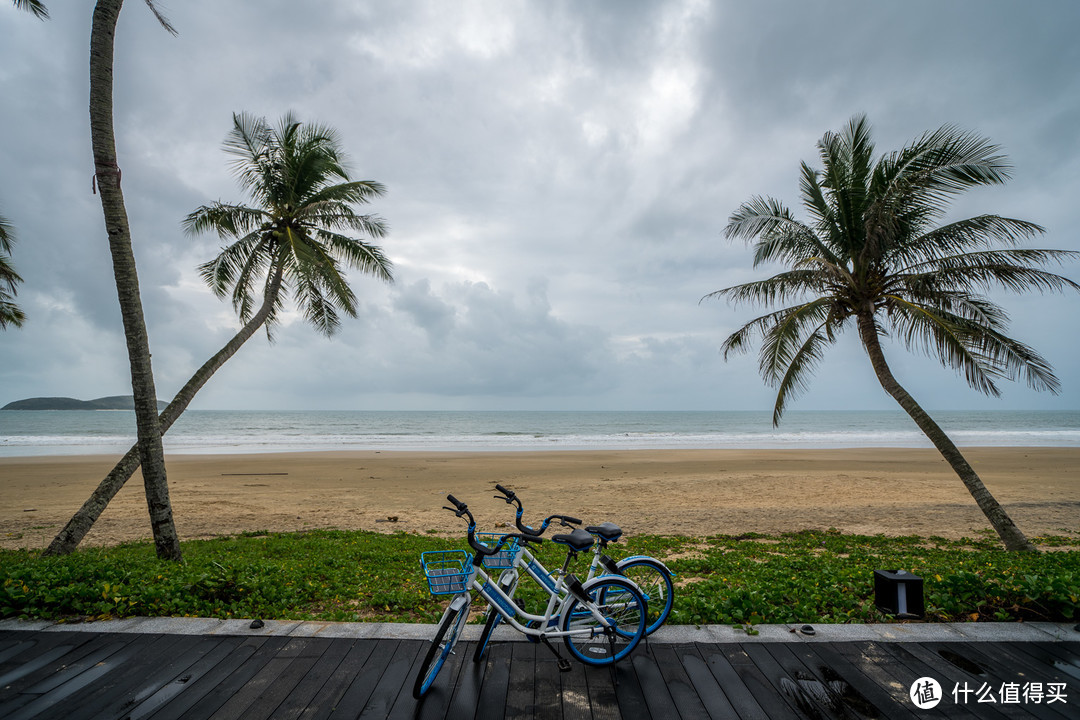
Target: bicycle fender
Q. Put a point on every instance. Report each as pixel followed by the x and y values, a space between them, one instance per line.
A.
pixel 587 586
pixel 459 602
pixel 646 557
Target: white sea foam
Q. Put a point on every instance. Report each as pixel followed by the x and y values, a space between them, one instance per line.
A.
pixel 82 432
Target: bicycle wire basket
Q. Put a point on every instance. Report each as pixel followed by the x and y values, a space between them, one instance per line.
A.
pixel 447 571
pixel 502 560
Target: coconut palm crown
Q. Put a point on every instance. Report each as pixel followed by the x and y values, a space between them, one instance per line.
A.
pixel 292 237
pixel 290 242
pixel 875 254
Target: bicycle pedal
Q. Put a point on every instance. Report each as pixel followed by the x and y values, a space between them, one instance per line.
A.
pixel 564 665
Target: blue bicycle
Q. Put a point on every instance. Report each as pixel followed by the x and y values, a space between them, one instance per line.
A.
pixel 600 621
pixel 649 575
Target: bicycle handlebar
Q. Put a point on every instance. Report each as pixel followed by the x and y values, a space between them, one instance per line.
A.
pixel 511 498
pixel 483 550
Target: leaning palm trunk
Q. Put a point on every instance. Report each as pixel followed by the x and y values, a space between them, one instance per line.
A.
pixel 1006 529
pixel 80 523
pixel 107 175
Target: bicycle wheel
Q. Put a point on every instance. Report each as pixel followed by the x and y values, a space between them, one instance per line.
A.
pixel 654 581
pixel 445 638
pixel 621 605
pixel 508 584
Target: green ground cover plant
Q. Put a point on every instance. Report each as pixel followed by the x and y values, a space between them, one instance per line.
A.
pixel 805 577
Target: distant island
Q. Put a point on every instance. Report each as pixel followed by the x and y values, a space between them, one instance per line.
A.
pixel 113 402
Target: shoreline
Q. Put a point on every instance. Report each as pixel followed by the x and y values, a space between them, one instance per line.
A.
pixel 894 491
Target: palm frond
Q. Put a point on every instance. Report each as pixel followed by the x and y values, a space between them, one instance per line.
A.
pixel 980 232
pixel 1010 269
pixel 365 257
pixel 948 338
pixel 222 272
pixel 783 287
pixel 781 341
pixel 7 235
pixel 796 379
pixel 36 7
pixel 226 220
pixel 780 237
pixel 161 18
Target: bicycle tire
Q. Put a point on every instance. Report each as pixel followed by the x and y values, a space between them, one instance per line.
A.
pixel 629 615
pixel 654 581
pixel 445 639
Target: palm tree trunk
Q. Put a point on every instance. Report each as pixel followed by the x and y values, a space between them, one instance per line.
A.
pixel 107 176
pixel 1006 529
pixel 80 523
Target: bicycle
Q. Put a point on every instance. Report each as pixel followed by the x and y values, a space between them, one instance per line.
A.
pixel 651 576
pixel 600 621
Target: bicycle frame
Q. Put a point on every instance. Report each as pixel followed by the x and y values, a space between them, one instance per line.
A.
pixel 503 604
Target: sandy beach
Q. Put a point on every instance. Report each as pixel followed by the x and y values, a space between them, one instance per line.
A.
pixel 688 492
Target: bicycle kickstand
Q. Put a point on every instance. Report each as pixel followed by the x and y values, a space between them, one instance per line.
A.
pixel 564 664
pixel 610 633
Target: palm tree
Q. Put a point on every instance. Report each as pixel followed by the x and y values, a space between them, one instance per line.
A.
pixel 10 314
pixel 288 243
pixel 874 253
pixel 107 178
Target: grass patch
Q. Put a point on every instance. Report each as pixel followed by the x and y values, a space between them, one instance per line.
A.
pixel 807 577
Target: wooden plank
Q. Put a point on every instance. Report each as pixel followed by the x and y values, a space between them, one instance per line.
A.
pixel 708 689
pixel 15 648
pixel 394 680
pixel 467 689
pixel 32 665
pixel 360 658
pixel 685 700
pixel 547 686
pixel 574 694
pixel 208 689
pixel 362 685
pixel 118 690
pixel 907 668
pixel 889 700
pixel 748 660
pixel 1053 657
pixel 603 700
pixel 68 673
pixel 974 671
pixel 65 686
pixel 830 688
pixel 300 657
pixel 519 693
pixel 44 661
pixel 26 646
pixel 492 704
pixel 738 693
pixel 305 691
pixel 628 689
pixel 208 654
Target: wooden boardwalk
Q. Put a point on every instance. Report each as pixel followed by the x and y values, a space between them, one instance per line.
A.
pixel 76 675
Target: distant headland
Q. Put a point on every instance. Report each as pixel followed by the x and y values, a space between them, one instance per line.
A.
pixel 113 402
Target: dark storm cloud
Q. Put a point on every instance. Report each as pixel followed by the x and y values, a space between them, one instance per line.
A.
pixel 559 175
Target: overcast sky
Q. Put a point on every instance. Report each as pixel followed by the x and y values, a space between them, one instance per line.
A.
pixel 558 178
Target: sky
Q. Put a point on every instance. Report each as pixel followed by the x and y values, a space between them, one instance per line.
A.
pixel 558 175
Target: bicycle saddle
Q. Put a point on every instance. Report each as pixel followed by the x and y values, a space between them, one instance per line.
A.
pixel 608 531
pixel 579 540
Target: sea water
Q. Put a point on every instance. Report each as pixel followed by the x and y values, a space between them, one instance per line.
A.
pixel 29 432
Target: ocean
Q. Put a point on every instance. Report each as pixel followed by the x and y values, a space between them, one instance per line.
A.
pixel 27 432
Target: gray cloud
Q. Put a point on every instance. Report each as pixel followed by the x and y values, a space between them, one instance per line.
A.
pixel 559 175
